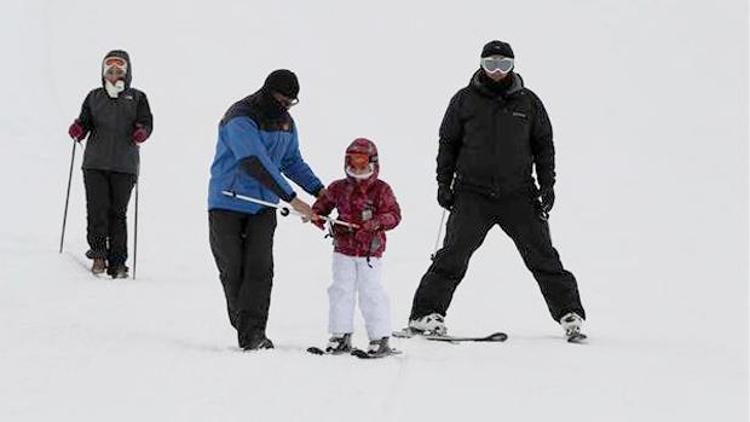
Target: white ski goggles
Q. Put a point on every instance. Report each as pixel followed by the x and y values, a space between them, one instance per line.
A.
pixel 493 64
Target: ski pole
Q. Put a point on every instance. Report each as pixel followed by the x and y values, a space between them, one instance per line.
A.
pixel 439 234
pixel 67 194
pixel 284 209
pixel 135 233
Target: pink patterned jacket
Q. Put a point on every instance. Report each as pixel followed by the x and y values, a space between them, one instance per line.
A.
pixel 369 203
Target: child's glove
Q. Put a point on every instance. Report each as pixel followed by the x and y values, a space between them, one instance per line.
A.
pixel 367 231
pixel 371 225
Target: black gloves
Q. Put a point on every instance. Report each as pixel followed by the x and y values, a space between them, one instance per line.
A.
pixel 445 196
pixel 546 201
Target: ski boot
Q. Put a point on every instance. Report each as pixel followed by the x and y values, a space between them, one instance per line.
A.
pixel 432 324
pixel 571 323
pixel 379 348
pixel 118 271
pixel 339 344
pixel 255 342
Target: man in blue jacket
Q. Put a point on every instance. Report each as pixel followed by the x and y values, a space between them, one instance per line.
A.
pixel 257 145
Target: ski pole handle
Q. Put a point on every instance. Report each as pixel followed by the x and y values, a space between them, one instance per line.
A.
pixel 284 210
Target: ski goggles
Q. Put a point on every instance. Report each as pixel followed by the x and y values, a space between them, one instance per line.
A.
pixel 493 64
pixel 358 161
pixel 115 61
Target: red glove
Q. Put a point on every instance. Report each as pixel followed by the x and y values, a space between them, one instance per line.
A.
pixel 140 134
pixel 371 225
pixel 367 231
pixel 76 130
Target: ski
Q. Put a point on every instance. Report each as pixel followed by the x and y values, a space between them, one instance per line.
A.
pixel 359 353
pixel 318 351
pixel 409 333
pixel 362 354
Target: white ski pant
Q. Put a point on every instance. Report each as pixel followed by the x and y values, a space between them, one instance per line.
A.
pixel 352 277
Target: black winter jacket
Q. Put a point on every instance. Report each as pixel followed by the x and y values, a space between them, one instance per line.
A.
pixel 489 140
pixel 111 122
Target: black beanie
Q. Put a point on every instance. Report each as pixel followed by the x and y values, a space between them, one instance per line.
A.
pixel 497 48
pixel 284 82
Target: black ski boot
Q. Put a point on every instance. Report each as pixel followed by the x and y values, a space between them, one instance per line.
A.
pixel 339 344
pixel 118 271
pixel 257 341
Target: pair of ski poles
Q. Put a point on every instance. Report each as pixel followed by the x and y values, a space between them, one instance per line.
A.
pixel 67 201
pixel 285 210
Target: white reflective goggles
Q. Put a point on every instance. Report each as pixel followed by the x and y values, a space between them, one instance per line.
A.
pixel 494 64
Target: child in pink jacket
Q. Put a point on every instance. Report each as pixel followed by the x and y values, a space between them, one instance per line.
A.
pixel 369 203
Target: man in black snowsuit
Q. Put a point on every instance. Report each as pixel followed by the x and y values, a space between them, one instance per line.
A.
pixel 494 130
pixel 117 119
pixel 256 150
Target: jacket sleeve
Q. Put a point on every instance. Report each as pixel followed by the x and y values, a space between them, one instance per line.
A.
pixel 85 117
pixel 542 146
pixel 144 118
pixel 326 203
pixel 451 134
pixel 295 168
pixel 243 139
pixel 389 212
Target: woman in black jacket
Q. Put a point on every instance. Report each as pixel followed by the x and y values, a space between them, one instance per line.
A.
pixel 117 119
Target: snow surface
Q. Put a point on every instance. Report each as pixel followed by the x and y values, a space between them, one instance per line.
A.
pixel 649 101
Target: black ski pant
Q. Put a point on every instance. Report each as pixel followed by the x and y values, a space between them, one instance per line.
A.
pixel 473 215
pixel 107 198
pixel 242 245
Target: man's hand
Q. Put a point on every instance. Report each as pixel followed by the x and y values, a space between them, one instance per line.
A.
pixel 322 193
pixel 303 208
pixel 548 199
pixel 445 196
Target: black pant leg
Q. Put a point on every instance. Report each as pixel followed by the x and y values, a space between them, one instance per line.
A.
pixel 97 209
pixel 120 188
pixel 227 239
pixel 468 224
pixel 254 296
pixel 518 217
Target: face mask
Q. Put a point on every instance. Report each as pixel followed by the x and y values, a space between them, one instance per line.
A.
pixel 270 106
pixel 114 90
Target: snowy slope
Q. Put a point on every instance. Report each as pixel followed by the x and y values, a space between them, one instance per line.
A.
pixel 649 104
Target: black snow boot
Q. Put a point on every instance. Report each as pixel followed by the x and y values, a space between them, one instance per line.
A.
pixel 118 271
pixel 257 341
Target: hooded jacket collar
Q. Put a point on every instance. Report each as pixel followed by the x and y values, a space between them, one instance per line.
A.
pixel 480 86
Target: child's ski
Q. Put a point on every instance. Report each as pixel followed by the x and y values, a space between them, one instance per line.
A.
pixel 362 354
